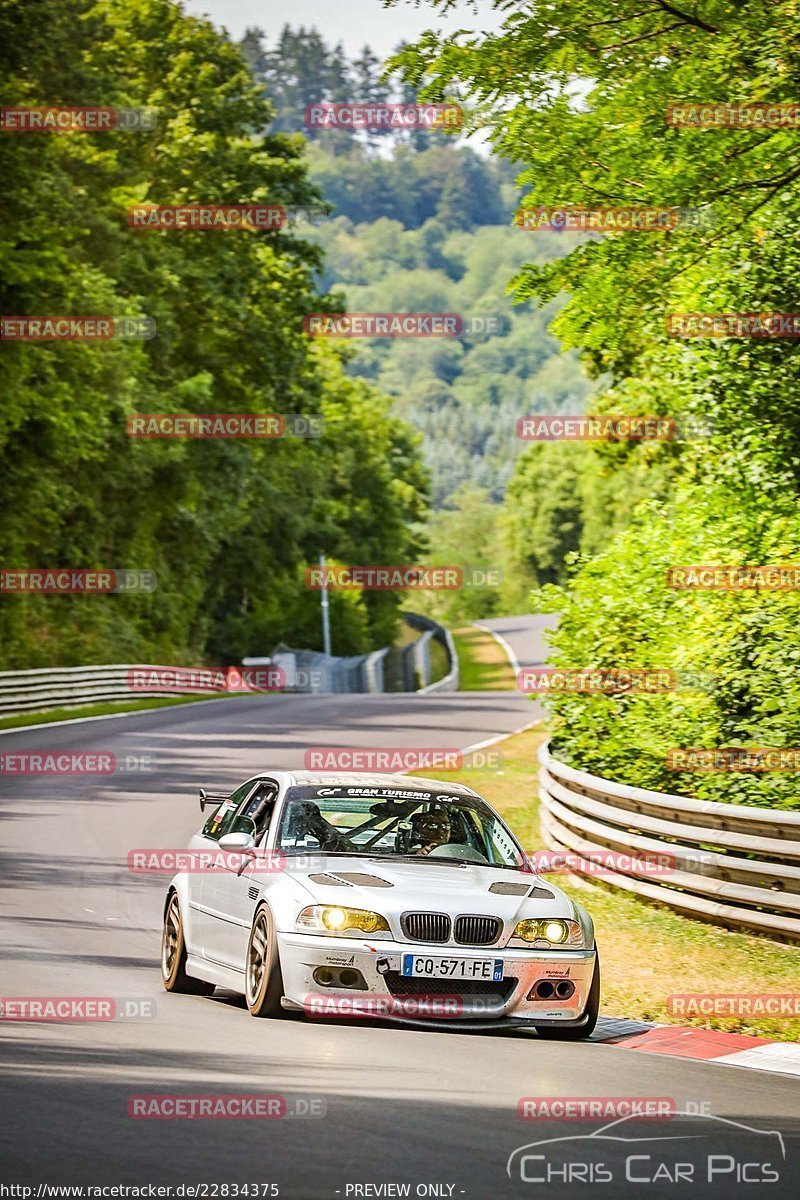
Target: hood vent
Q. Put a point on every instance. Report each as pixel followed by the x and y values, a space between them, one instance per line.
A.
pixel 364 880
pixel 329 880
pixel 540 893
pixel 509 889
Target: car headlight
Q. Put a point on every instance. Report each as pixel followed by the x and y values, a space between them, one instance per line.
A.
pixel 553 932
pixel 330 918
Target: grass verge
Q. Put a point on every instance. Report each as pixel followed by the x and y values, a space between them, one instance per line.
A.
pixel 483 664
pixel 119 707
pixel 648 952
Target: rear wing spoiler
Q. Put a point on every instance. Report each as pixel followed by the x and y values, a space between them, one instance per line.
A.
pixel 210 800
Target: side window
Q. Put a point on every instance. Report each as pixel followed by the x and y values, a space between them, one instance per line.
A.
pixel 258 809
pixel 221 821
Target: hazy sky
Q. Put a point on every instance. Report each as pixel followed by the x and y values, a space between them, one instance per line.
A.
pixel 353 22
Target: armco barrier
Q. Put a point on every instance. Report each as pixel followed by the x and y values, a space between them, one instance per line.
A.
pixel 65 687
pixel 392 669
pixel 306 671
pixel 735 865
pixel 420 651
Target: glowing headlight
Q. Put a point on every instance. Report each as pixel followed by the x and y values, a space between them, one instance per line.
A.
pixel 330 918
pixel 555 933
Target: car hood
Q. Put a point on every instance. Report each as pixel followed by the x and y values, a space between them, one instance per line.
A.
pixel 392 887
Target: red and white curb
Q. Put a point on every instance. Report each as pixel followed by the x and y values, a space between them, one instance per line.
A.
pixel 709 1045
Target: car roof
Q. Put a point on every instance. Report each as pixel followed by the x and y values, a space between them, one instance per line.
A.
pixel 359 779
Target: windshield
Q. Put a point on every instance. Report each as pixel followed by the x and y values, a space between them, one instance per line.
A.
pixel 392 822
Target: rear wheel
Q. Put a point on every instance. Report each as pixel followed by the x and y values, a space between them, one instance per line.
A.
pixel 592 1010
pixel 263 979
pixel 173 955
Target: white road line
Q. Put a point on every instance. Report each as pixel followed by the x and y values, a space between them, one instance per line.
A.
pixel 512 658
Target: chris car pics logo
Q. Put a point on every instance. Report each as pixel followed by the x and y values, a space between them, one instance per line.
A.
pixel 696 1148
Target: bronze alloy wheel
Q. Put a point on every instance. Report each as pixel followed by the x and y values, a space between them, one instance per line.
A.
pixel 173 955
pixel 263 981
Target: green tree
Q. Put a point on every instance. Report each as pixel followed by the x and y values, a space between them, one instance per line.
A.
pixel 227 525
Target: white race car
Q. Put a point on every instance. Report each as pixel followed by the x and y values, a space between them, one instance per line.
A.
pixel 376 895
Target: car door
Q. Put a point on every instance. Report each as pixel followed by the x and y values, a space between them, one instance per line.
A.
pixel 220 822
pixel 230 894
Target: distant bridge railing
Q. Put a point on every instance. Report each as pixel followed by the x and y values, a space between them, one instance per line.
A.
pixel 732 864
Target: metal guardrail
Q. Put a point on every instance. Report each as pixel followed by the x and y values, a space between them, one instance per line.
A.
pixel 306 671
pixel 731 864
pixel 66 687
pixel 313 672
pixel 431 630
pixel 392 669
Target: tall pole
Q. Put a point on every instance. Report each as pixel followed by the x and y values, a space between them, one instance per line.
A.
pixel 326 621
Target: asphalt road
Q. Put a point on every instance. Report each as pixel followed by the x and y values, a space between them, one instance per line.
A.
pixel 524 637
pixel 403 1106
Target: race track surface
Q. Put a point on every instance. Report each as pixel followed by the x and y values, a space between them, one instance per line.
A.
pixel 403 1106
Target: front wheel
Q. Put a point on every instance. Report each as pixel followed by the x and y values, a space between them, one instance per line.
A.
pixel 592 1011
pixel 173 955
pixel 263 980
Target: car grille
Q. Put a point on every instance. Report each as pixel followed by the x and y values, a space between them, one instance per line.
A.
pixel 477 931
pixel 425 927
pixel 403 985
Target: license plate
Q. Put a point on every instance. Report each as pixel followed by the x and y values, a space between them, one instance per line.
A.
pixel 452 968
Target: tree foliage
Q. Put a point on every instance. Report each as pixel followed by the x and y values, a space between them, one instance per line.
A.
pixel 579 95
pixel 227 525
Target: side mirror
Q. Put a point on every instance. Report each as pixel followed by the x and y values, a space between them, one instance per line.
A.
pixel 241 843
pixel 237 841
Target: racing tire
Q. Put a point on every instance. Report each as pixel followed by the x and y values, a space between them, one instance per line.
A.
pixel 263 979
pixel 173 955
pixel 577 1032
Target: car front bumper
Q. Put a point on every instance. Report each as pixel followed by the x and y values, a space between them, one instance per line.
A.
pixel 385 992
